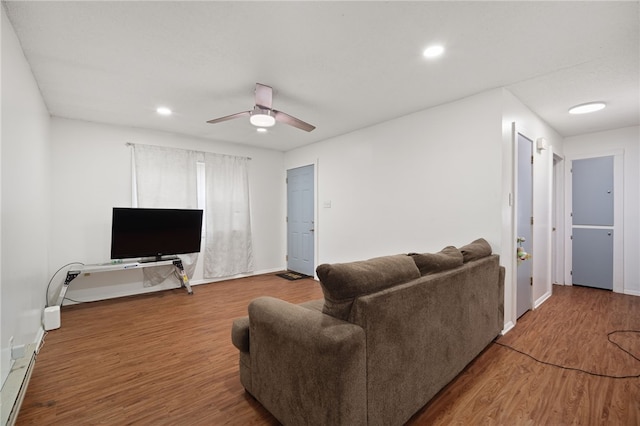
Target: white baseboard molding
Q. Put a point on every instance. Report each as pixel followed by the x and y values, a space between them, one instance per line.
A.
pixel 541 300
pixel 632 292
pixel 507 327
pixel 235 277
pixel 15 386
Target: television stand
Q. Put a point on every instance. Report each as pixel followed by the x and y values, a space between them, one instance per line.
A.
pixel 108 267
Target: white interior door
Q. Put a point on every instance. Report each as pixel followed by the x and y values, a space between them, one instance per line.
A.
pixel 300 220
pixel 524 218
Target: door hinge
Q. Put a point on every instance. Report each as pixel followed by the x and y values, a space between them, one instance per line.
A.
pixel 286 219
pixel 570 272
pixel 532 159
pixel 286 257
pixel 532 220
pixel 530 280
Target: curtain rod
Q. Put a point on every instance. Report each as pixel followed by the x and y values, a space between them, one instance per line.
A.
pixel 200 152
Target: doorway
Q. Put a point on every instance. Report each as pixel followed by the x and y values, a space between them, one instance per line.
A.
pixel 300 220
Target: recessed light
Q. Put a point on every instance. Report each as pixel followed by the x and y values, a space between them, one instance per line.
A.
pixel 433 51
pixel 261 130
pixel 163 111
pixel 586 108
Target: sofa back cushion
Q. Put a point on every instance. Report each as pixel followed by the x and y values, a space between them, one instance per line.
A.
pixel 430 263
pixel 475 250
pixel 343 282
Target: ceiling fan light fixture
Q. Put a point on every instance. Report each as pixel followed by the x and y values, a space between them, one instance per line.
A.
pixel 262 118
pixel 587 108
pixel 433 51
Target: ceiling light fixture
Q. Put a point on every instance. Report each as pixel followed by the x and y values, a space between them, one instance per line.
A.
pixel 262 130
pixel 433 51
pixel 163 111
pixel 262 118
pixel 586 108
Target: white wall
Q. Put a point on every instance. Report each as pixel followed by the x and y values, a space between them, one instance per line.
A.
pixel 25 199
pixel 416 183
pixel 437 177
pixel 91 174
pixel 603 143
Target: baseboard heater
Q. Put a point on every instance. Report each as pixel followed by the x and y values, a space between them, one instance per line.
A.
pixel 15 386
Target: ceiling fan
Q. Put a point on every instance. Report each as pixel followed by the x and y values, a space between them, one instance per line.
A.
pixel 262 115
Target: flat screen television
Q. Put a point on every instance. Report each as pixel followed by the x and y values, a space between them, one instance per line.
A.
pixel 154 233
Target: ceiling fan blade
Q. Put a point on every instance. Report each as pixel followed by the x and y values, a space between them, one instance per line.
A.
pixel 292 121
pixel 264 96
pixel 229 117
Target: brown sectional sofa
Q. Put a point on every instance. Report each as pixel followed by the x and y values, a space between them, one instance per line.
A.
pixel 389 334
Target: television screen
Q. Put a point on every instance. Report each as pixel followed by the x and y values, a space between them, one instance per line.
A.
pixel 142 232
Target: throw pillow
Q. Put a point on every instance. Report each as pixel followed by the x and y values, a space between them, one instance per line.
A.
pixel 475 250
pixel 343 282
pixel 430 263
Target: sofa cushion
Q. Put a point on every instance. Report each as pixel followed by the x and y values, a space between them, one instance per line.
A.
pixel 343 282
pixel 430 263
pixel 475 250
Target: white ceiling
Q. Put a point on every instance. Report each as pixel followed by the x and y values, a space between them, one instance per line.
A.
pixel 341 66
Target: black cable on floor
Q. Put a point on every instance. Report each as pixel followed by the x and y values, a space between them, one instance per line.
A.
pixel 578 369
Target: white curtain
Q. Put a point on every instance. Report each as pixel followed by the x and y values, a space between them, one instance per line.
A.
pixel 228 224
pixel 166 178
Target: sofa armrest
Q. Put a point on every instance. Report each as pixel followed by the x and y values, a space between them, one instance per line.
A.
pixel 307 367
pixel 240 334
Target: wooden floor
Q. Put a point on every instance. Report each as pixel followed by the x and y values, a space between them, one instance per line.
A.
pixel 167 359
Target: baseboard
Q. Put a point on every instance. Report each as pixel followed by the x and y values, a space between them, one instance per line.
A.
pixel 15 386
pixel 40 339
pixel 507 327
pixel 234 277
pixel 632 292
pixel 541 300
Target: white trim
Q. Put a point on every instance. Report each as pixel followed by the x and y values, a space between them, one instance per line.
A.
pixel 541 300
pixel 510 248
pixel 507 327
pixel 557 248
pixel 39 339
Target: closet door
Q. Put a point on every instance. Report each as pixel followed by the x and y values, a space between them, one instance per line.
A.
pixel 593 222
